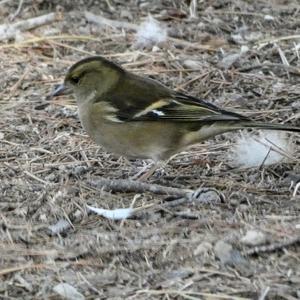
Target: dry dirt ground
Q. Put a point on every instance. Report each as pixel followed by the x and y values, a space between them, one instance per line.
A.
pixel 49 168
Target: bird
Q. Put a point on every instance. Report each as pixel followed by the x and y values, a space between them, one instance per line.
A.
pixel 140 118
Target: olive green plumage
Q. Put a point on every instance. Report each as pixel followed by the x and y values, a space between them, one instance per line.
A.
pixel 138 117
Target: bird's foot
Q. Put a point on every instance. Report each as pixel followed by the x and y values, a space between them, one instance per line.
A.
pixel 146 172
pixel 207 195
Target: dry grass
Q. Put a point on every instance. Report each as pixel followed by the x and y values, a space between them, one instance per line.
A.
pixel 47 162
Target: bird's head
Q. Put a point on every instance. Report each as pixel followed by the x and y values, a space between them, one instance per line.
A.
pixel 89 78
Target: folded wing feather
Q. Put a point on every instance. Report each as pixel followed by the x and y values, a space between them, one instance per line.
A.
pixel 180 108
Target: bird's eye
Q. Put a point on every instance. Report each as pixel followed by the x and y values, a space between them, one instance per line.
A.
pixel 75 79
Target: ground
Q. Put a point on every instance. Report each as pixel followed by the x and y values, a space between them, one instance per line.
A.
pixel 242 55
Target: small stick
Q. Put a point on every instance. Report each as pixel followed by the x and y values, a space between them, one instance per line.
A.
pixel 8 31
pixel 18 83
pixel 124 185
pixel 4 1
pixel 288 68
pixel 271 40
pixel 201 195
pixel 35 177
pixel 190 294
pixel 17 11
pixel 296 189
pixel 272 247
pixel 51 38
pixel 99 20
pixel 264 293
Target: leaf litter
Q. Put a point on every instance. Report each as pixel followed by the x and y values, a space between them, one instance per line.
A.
pixel 172 248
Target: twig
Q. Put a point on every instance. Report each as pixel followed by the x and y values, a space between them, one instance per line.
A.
pixel 6 271
pixel 201 195
pixel 35 177
pixel 290 69
pixel 124 185
pixel 72 48
pixel 17 11
pixel 276 149
pixel 51 38
pixel 296 189
pixel 193 9
pixel 272 40
pixel 191 45
pixel 40 266
pixel 8 31
pixel 18 83
pixel 264 293
pixel 190 294
pixel 190 216
pixel 91 286
pixel 272 247
pixel 99 20
pixel 4 1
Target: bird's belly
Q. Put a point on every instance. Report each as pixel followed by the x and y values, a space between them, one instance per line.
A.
pixel 132 139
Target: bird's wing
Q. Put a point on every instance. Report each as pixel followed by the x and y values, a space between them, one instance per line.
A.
pixel 148 100
pixel 179 108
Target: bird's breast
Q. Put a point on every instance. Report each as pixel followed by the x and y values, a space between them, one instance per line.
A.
pixel 132 139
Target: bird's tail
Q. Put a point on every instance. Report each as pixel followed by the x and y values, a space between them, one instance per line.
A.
pixel 217 127
pixel 269 126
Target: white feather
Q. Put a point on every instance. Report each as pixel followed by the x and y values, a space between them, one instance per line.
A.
pixel 150 33
pixel 112 214
pixel 266 148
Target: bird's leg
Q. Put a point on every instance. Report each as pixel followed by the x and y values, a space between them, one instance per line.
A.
pixel 141 171
pixel 150 172
pixel 145 174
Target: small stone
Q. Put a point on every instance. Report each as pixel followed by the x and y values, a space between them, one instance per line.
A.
pixel 67 291
pixel 192 64
pixel 268 18
pixel 78 213
pixel 230 256
pixel 295 105
pixel 243 208
pixel 23 283
pixel 207 196
pixel 43 217
pixel 126 14
pixel 22 128
pixel 79 170
pixel 59 227
pixel 50 177
pixel 244 49
pixel 155 48
pixel 254 238
pixel 66 112
pixel 223 252
pixel 229 60
pixel 203 249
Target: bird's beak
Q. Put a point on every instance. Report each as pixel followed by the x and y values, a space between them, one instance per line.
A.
pixel 60 90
